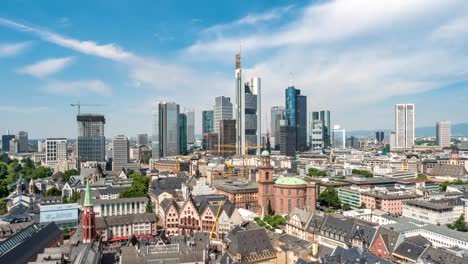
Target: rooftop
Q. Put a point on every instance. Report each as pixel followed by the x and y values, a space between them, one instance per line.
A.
pixel 286 180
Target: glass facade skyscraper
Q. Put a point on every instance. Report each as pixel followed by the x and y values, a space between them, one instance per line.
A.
pixel 296 115
pixel 207 119
pixel 326 128
pixel 183 133
pixel 165 122
pixel 6 142
pixel 91 139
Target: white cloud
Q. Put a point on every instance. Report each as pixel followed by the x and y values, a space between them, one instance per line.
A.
pixel 78 87
pixel 108 51
pixel 13 49
pixel 46 67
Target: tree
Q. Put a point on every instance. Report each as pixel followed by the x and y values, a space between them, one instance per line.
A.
pixel 149 207
pixel 28 163
pixel 41 172
pixel 67 174
pixel 364 173
pixel 139 187
pixel 3 207
pixel 74 197
pixel 3 171
pixel 329 197
pixel 387 147
pixel 4 158
pixel 459 225
pixel 53 192
pixel 3 188
pixel 362 206
pixel 346 207
pixel 17 167
pixel 313 172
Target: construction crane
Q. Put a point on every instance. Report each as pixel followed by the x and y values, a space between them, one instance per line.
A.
pixel 216 220
pixel 78 106
pixel 246 155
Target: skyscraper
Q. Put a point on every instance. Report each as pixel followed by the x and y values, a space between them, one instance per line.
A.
pixel 207 119
pixel 222 111
pixel 227 136
pixel 56 151
pixel 317 135
pixel 142 139
pixel 278 113
pixel 339 137
pixel 165 138
pixel 247 111
pixel 287 139
pixel 91 139
pixel 379 136
pixel 22 137
pixel 6 142
pixel 296 115
pixel 404 125
pixel 190 126
pixel 444 133
pixel 326 127
pixel 120 152
pixel 183 133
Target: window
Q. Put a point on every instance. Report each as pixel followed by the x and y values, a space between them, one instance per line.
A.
pixel 267 175
pixel 281 204
pixel 289 205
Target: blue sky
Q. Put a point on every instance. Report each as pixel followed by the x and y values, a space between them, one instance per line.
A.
pixel 354 57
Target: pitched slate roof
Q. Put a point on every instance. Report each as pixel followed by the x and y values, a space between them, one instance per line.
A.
pixel 409 250
pixel 303 215
pixel 448 170
pixel 442 256
pixel 353 255
pixel 248 239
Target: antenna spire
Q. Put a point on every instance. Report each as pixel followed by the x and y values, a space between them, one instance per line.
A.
pixel 290 79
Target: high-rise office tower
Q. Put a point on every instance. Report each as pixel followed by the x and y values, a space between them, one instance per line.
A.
pixel 404 125
pixel 56 151
pixel 324 116
pixel 142 139
pixel 190 126
pixel 6 142
pixel 207 120
pixel 317 135
pixel 296 115
pixel 183 133
pixel 247 111
pixel 222 111
pixel 278 113
pixel 392 140
pixel 339 137
pixel 165 137
pixel 91 139
pixel 120 152
pixel 444 133
pixel 288 139
pixel 22 137
pixel 379 136
pixel 14 146
pixel 227 136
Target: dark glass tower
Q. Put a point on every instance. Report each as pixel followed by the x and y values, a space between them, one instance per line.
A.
pixel 91 140
pixel 183 133
pixel 207 117
pixel 326 128
pixel 296 115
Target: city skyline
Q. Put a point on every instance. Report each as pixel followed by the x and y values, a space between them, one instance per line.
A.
pixel 127 69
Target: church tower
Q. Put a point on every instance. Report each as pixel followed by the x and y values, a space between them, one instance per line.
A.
pixel 265 183
pixel 88 219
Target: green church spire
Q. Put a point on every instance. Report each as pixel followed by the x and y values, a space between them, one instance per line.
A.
pixel 88 201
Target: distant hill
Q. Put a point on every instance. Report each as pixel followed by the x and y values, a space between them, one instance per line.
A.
pixel 457 130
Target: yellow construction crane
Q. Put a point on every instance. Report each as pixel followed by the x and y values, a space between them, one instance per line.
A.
pixel 246 154
pixel 216 220
pixel 78 106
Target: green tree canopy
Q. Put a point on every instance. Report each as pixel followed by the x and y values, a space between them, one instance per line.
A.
pixel 459 225
pixel 364 173
pixel 67 174
pixel 53 192
pixel 313 172
pixel 329 198
pixel 139 187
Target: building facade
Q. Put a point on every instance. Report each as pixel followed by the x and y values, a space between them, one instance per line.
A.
pixel 142 139
pixel 91 139
pixel 444 133
pixel 222 111
pixel 339 137
pixel 56 151
pixel 207 118
pixel 296 115
pixel 404 125
pixel 120 152
pixel 22 137
pixel 278 113
pixel 165 122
